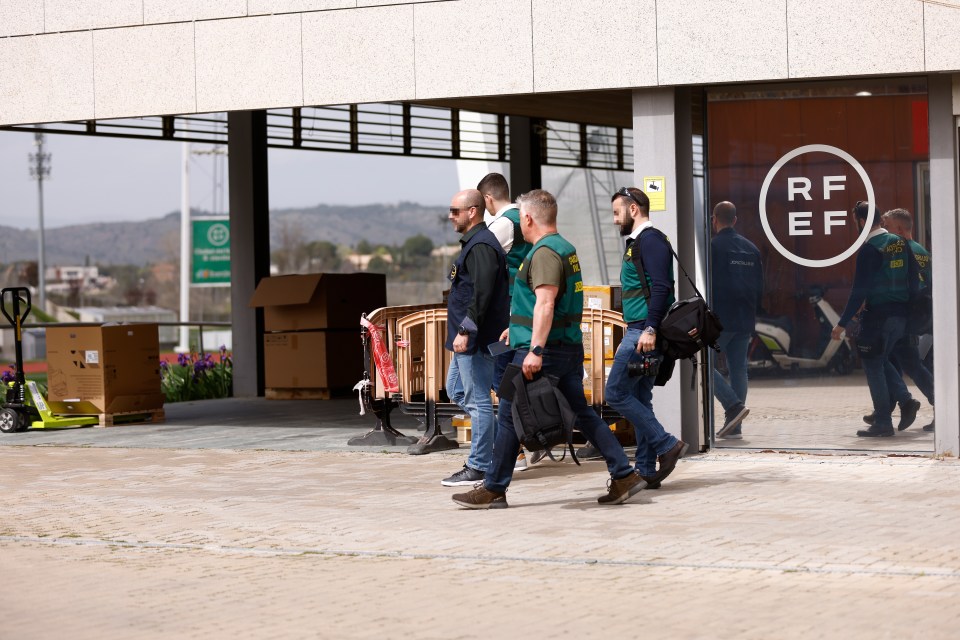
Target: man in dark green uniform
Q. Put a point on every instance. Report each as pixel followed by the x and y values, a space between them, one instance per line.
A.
pixel 632 396
pixel 545 314
pixel 884 284
pixel 906 356
pixel 503 220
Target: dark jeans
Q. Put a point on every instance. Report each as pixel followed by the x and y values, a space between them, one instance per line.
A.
pixel 632 397
pixel 906 359
pixel 886 385
pixel 566 363
pixel 499 365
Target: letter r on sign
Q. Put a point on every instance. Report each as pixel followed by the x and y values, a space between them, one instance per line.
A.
pixel 798 185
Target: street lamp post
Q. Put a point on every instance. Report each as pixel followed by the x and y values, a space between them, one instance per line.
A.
pixel 40 169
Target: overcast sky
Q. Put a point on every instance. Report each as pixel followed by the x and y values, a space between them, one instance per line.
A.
pixel 111 179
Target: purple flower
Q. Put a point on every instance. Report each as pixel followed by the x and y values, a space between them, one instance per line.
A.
pixel 183 359
pixel 163 365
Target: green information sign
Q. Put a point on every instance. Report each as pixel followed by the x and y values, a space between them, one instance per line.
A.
pixel 211 252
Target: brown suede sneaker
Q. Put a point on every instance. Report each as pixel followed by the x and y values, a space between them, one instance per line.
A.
pixel 619 491
pixel 481 498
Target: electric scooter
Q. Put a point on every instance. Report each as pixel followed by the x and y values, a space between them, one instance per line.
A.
pixel 771 348
pixel 24 406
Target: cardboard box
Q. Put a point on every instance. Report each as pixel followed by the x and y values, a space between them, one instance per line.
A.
pixel 603 297
pixel 111 368
pixel 331 359
pixel 319 300
pixel 608 350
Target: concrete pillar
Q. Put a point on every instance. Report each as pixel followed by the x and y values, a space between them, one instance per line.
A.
pixel 525 155
pixel 945 249
pixel 250 244
pixel 663 146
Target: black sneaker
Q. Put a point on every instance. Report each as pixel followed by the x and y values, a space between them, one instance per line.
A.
pixel 734 417
pixel 908 413
pixel 929 427
pixel 870 418
pixel 588 452
pixel 736 434
pixel 481 498
pixel 463 478
pixel 874 432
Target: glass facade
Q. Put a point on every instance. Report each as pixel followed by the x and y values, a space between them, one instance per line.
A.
pixel 794 161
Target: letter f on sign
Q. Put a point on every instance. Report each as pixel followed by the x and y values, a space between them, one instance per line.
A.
pixel 830 183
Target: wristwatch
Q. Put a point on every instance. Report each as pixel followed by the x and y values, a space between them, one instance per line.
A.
pixel 462 331
pixel 537 350
pixel 650 330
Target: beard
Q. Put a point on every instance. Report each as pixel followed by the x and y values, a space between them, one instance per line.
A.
pixel 626 228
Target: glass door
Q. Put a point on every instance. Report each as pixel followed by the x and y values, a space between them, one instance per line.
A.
pixel 791 163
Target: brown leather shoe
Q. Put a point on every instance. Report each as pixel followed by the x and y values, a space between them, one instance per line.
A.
pixel 668 460
pixel 619 491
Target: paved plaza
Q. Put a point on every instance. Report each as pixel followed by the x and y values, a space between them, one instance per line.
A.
pixel 260 531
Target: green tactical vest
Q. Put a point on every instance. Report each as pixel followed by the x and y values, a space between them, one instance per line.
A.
pixel 520 247
pixel 923 261
pixel 890 283
pixel 568 307
pixel 634 302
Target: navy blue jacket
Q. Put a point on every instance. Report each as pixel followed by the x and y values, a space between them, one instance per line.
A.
pixel 479 299
pixel 737 280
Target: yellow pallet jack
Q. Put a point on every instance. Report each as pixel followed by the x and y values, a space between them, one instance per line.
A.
pixel 25 407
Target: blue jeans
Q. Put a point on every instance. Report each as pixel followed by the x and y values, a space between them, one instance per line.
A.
pixel 632 397
pixel 566 363
pixel 468 385
pixel 886 385
pixel 734 344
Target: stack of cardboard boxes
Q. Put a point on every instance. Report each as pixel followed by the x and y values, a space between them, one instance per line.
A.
pixel 311 345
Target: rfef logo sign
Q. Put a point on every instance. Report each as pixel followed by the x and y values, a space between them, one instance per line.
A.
pixel 815 210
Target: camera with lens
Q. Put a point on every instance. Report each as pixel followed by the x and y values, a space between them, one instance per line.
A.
pixel 647 365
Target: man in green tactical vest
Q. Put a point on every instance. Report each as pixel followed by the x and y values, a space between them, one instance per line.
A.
pixel 503 220
pixel 906 355
pixel 884 284
pixel 545 315
pixel 632 395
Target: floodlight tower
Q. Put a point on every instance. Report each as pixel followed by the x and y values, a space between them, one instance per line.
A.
pixel 39 170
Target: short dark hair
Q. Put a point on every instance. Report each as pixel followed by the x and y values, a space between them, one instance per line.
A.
pixel 725 213
pixel 862 211
pixel 636 197
pixel 496 186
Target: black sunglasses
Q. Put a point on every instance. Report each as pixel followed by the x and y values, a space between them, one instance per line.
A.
pixel 626 194
pixel 456 210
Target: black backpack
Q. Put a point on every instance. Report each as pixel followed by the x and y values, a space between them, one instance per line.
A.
pixel 689 326
pixel 542 417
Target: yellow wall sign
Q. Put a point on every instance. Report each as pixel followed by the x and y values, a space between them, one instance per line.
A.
pixel 656 189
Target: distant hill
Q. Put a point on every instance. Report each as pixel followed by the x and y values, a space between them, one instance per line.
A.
pixel 158 239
